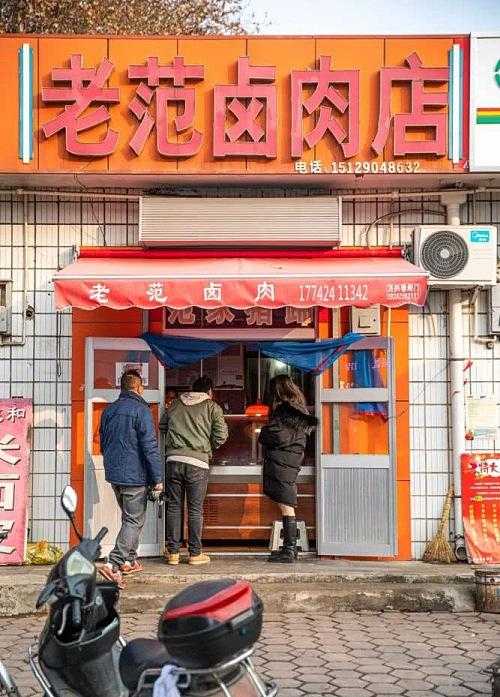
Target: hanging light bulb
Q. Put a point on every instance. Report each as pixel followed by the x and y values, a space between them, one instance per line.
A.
pixel 257 410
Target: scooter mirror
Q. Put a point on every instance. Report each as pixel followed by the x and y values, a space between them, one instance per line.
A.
pixel 69 501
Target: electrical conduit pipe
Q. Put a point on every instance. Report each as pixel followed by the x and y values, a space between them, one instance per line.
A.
pixel 452 201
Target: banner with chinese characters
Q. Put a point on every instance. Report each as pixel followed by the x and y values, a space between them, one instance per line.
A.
pixel 227 318
pixel 16 417
pixel 291 105
pixel 240 283
pixel 481 506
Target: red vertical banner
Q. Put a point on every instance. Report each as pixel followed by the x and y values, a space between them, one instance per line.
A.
pixel 16 416
pixel 481 506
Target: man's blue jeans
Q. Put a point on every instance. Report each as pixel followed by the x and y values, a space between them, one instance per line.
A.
pixel 133 501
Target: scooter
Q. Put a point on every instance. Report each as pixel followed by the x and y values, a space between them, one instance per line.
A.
pixel 494 671
pixel 205 637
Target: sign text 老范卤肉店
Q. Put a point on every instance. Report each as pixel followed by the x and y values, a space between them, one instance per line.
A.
pixel 251 104
pixel 312 111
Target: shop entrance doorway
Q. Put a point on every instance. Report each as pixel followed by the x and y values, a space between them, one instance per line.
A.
pixel 238 517
pixel 347 487
pixel 105 361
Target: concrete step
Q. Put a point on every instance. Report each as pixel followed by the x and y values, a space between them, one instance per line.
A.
pixel 326 597
pixel 307 586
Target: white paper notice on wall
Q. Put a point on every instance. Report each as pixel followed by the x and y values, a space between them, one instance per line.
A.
pixel 485 104
pixel 482 416
pixel 142 368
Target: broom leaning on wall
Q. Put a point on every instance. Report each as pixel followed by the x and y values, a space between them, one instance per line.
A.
pixel 439 548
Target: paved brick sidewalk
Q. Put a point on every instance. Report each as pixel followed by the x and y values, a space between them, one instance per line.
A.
pixel 345 654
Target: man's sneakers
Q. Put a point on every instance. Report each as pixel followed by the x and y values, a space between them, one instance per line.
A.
pixel 134 567
pixel 172 558
pixel 198 559
pixel 111 574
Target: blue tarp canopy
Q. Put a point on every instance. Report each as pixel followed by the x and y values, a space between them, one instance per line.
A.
pixel 308 356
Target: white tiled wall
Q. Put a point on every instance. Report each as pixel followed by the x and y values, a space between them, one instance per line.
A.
pixel 42 368
pixel 429 415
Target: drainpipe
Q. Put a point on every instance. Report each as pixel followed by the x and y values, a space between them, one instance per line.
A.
pixel 457 393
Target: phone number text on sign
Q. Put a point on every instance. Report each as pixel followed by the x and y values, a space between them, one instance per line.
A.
pixel 357 167
pixel 342 292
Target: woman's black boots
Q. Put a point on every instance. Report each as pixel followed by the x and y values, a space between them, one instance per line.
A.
pixel 288 553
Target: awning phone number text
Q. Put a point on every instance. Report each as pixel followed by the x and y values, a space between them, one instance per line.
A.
pixel 349 292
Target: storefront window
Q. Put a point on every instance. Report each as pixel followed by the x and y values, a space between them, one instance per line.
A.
pixel 241 377
pixel 347 430
pixel 355 369
pixel 357 428
pixel 110 364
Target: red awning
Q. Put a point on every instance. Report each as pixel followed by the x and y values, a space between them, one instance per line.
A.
pixel 239 282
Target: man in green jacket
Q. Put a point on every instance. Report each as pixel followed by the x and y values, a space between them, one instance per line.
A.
pixel 194 426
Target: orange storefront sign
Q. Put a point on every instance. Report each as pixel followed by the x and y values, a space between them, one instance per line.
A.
pixel 231 105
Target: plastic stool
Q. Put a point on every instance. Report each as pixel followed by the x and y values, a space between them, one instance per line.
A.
pixel 276 539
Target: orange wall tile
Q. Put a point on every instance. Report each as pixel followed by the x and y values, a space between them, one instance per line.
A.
pixel 404 521
pixel 285 55
pixel 366 56
pixel 220 57
pixel 98 323
pixel 434 54
pixel 133 51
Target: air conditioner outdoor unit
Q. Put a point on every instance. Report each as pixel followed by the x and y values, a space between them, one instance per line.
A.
pixel 457 256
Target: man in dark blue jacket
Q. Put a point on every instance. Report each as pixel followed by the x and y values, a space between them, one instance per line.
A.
pixel 132 464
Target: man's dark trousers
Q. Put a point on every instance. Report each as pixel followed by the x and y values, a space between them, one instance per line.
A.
pixel 183 478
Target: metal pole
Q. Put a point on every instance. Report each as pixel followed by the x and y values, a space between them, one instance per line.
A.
pixel 457 392
pixel 394 195
pixel 258 375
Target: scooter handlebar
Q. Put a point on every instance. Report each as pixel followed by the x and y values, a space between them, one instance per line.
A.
pixel 101 535
pixel 76 613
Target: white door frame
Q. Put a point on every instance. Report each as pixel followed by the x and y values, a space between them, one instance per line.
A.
pixel 384 461
pixel 93 396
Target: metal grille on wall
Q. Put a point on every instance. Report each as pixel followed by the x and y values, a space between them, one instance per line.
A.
pixel 41 369
pixel 429 387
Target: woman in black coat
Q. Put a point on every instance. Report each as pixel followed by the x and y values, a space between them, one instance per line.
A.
pixel 284 442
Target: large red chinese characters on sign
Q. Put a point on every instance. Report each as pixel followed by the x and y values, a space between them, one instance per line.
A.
pixel 416 75
pixel 15 422
pixel 180 95
pixel 86 86
pixel 328 103
pixel 246 101
pixel 324 103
